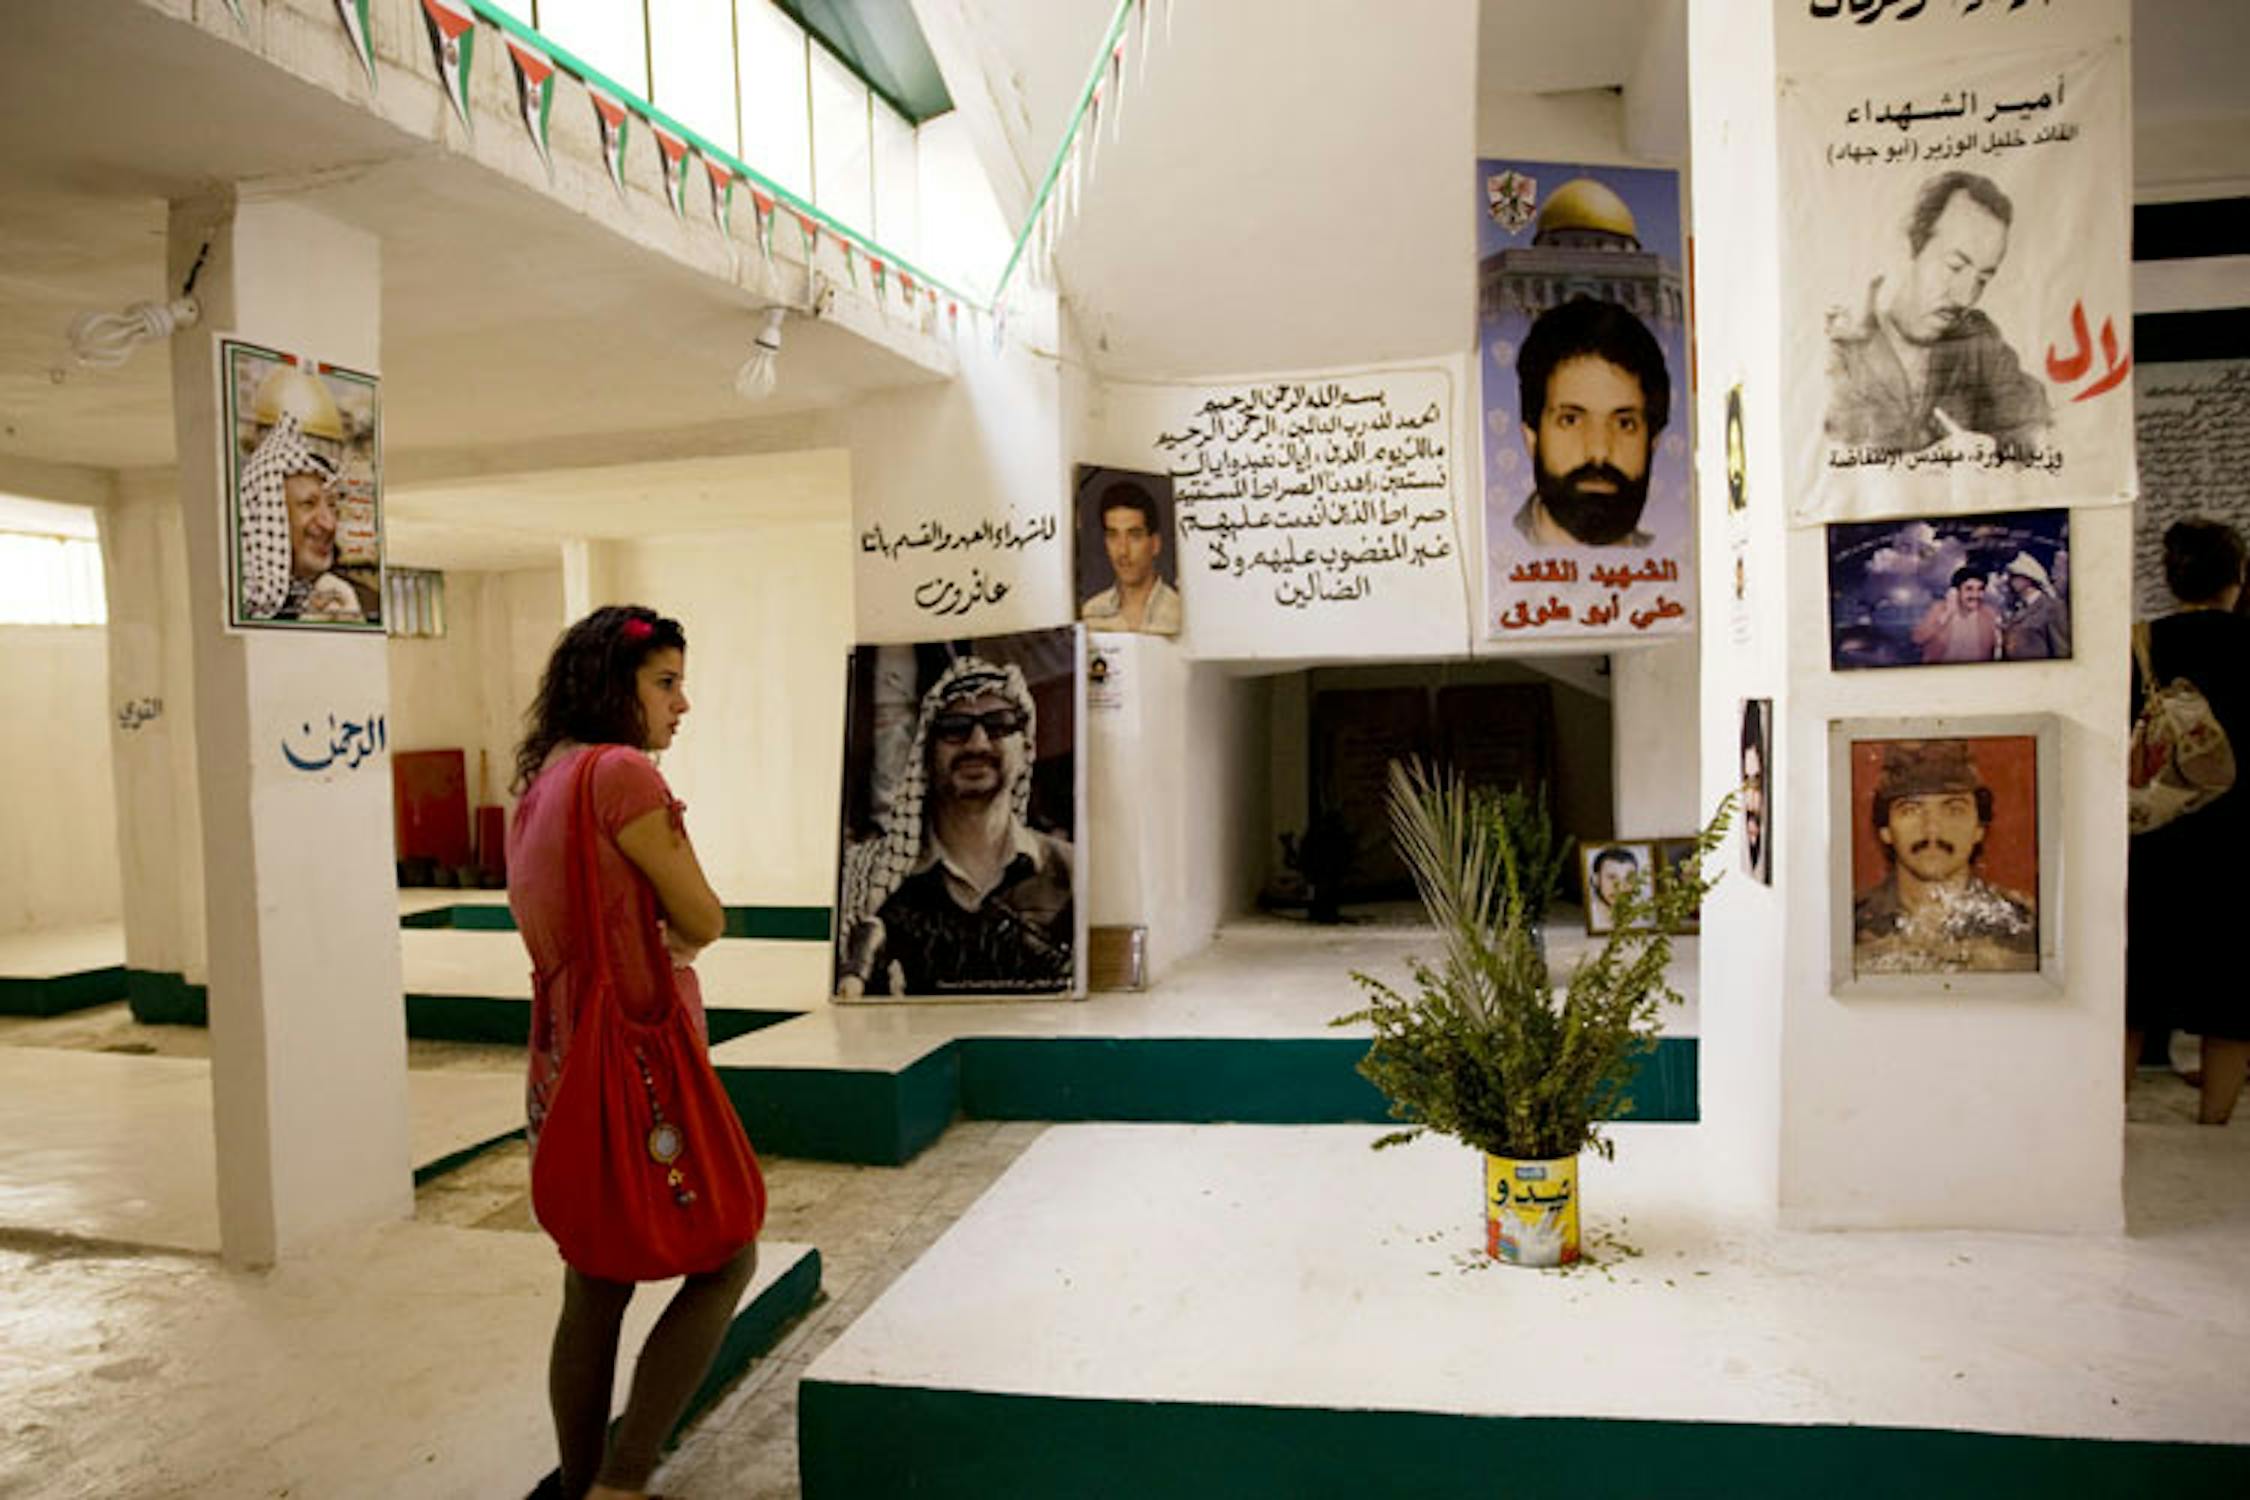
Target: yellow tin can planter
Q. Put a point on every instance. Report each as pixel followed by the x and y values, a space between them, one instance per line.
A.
pixel 1531 1210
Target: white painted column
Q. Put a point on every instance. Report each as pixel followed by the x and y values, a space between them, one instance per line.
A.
pixel 589 570
pixel 1904 1111
pixel 152 741
pixel 308 1035
pixel 1652 748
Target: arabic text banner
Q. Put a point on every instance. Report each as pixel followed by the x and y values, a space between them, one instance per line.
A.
pixel 1316 515
pixel 1957 297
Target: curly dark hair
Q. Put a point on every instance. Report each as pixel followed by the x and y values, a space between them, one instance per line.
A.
pixel 590 692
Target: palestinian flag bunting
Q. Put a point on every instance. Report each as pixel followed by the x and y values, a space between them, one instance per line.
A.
pixel 453 38
pixel 234 9
pixel 723 179
pixel 535 93
pixel 763 203
pixel 851 262
pixel 611 114
pixel 675 152
pixel 880 272
pixel 809 227
pixel 353 13
pixel 906 285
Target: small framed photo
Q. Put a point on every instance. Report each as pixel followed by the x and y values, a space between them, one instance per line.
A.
pixel 1606 871
pixel 302 484
pixel 1945 846
pixel 1757 789
pixel 1674 858
pixel 1939 590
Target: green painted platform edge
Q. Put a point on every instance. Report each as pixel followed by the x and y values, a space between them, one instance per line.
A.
pixel 967 1445
pixel 865 1116
pixel 57 994
pixel 754 1331
pixel 790 924
pixel 453 1161
pixel 159 998
pixel 1251 1080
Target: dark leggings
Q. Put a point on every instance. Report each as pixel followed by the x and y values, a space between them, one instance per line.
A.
pixel 582 1371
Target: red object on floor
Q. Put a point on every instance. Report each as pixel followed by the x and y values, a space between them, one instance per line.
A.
pixel 430 805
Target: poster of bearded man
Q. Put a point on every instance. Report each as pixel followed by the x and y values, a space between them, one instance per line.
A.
pixel 1582 337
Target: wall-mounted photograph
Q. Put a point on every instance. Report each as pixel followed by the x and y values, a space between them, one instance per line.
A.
pixel 1937 590
pixel 1128 567
pixel 1757 789
pixel 1676 860
pixel 1948 857
pixel 303 491
pixel 1607 871
pixel 962 858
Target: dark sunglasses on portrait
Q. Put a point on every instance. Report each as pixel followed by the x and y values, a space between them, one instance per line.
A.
pixel 998 724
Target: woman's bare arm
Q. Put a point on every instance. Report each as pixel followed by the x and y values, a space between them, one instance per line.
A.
pixel 661 851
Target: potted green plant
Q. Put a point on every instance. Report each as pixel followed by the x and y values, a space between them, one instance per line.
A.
pixel 1484 1047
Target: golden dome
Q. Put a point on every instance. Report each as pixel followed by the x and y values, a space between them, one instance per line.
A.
pixel 290 389
pixel 1584 204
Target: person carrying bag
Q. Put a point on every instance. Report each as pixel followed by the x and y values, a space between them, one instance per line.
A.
pixel 640 1169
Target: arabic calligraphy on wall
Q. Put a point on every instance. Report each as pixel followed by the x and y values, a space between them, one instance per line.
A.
pixel 338 745
pixel 133 715
pixel 945 582
pixel 1313 493
pixel 1868 12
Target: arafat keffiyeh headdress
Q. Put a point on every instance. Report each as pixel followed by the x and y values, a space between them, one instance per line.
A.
pixel 873 869
pixel 265 514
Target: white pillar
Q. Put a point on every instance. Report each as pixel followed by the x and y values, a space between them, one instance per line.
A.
pixel 308 1034
pixel 589 569
pixel 1963 1109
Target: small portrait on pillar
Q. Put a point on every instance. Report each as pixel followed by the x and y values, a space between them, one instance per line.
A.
pixel 1756 792
pixel 1128 567
pixel 962 865
pixel 1938 590
pixel 1606 872
pixel 1950 849
pixel 302 486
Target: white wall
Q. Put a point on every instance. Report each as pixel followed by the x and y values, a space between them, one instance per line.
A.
pixel 768 615
pixel 467 690
pixel 58 821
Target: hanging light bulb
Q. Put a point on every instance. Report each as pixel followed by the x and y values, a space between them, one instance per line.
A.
pixel 103 341
pixel 755 380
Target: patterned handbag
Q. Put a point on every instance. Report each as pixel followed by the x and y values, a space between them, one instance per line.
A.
pixel 2179 759
pixel 642 1171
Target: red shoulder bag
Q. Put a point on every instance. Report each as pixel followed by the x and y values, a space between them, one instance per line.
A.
pixel 643 1171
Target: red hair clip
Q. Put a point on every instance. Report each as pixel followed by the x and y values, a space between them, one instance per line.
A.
pixel 637 629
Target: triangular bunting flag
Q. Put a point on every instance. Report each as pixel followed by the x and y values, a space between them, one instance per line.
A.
pixel 809 228
pixel 535 93
pixel 612 116
pixel 875 269
pixel 674 151
pixel 763 203
pixel 453 37
pixel 851 262
pixel 952 319
pixel 906 285
pixel 723 180
pixel 234 9
pixel 353 13
pixel 1116 84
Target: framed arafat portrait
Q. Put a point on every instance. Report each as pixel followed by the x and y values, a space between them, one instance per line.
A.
pixel 1945 852
pixel 302 484
pixel 1755 747
pixel 962 866
pixel 1128 566
pixel 1948 590
pixel 1606 870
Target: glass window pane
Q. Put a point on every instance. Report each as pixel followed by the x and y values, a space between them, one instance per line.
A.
pixel 841 184
pixel 898 184
pixel 605 34
pixel 776 136
pixel 691 52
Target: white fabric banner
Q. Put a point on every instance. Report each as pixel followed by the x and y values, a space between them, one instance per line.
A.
pixel 1957 304
pixel 1317 515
